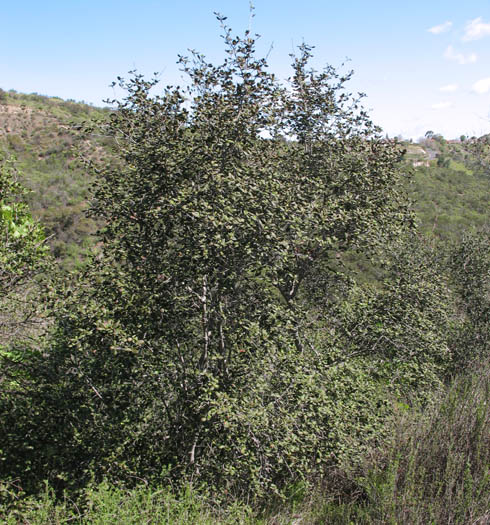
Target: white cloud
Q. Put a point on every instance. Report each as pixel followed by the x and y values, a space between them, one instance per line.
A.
pixel 441 28
pixel 442 105
pixel 450 88
pixel 482 86
pixel 461 58
pixel 476 29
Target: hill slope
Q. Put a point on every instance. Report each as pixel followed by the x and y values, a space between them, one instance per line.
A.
pixel 40 132
pixel 450 189
pixel 450 195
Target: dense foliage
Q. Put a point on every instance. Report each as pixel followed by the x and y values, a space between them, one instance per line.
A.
pixel 223 334
pixel 471 269
pixel 22 254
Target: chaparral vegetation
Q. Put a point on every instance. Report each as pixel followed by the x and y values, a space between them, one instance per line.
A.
pixel 260 319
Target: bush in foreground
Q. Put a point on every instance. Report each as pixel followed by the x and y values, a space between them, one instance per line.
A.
pixel 435 470
pixel 190 349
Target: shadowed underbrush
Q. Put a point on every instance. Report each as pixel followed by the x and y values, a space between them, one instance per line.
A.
pixel 434 470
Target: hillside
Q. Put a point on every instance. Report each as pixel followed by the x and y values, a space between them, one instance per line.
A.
pixel 450 195
pixel 449 188
pixel 40 132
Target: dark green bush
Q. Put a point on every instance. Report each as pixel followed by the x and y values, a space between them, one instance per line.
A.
pixel 214 339
pixel 188 348
pixel 470 265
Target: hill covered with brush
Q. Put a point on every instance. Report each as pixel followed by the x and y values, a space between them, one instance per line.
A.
pixel 449 188
pixel 42 134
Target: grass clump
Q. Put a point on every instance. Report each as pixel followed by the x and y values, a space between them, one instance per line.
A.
pixel 435 470
pixel 106 504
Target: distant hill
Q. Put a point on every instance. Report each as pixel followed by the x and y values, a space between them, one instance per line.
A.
pixel 450 189
pixel 450 192
pixel 41 133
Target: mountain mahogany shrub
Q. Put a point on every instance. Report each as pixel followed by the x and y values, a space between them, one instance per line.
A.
pixel 470 265
pixel 405 323
pixel 110 405
pixel 188 349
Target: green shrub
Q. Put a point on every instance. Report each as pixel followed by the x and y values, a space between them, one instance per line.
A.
pixel 470 263
pixel 213 339
pixel 188 349
pixel 22 257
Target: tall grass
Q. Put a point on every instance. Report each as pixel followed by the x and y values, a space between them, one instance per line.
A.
pixel 106 504
pixel 435 470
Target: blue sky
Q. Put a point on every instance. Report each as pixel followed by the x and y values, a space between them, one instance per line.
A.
pixel 423 64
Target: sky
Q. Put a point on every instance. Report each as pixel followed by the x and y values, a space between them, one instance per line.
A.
pixel 423 65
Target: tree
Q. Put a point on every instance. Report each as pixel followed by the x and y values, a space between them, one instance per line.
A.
pixel 478 150
pixel 205 204
pixel 443 161
pixel 191 346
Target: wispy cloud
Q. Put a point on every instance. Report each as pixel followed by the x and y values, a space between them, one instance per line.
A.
pixel 482 86
pixel 441 28
pixel 450 88
pixel 476 29
pixel 461 58
pixel 442 105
